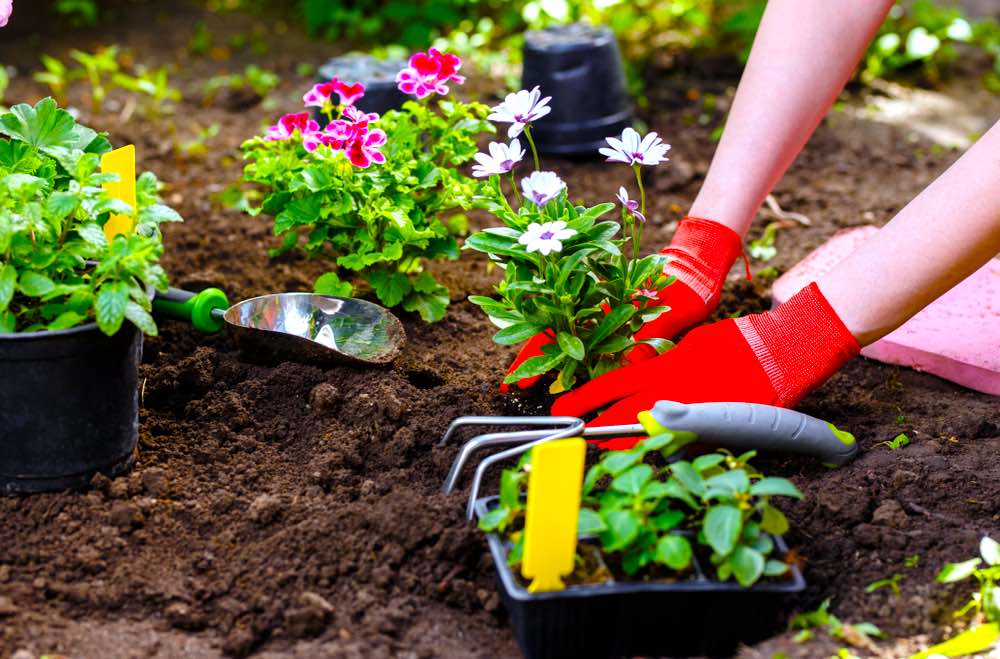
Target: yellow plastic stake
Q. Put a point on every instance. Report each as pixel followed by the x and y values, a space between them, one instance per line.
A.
pixel 122 162
pixel 554 485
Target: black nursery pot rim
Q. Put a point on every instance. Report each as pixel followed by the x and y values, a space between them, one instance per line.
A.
pixel 795 582
pixel 48 334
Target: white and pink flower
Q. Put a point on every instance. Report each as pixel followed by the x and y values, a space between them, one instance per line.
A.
pixel 501 159
pixel 521 109
pixel 632 149
pixel 542 187
pixel 545 238
pixel 290 124
pixel 429 73
pixel 363 150
pixel 6 9
pixel 631 205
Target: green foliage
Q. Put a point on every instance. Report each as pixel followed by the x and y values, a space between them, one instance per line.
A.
pixel 79 12
pixel 821 618
pixel 985 603
pixel 587 295
pixel 104 70
pixel 643 515
pixel 260 81
pixel 897 442
pixel 381 224
pixel 892 583
pixel 57 268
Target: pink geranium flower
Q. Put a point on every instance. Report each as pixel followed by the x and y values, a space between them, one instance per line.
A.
pixel 363 151
pixel 6 9
pixel 288 124
pixel 321 94
pixel 429 73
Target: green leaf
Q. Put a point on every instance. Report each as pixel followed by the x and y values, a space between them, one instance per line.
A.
pixel 747 564
pixel 623 527
pixel 140 318
pixel 615 462
pixel 61 204
pixel 390 287
pixel 631 481
pixel 431 306
pixel 990 550
pixel 722 528
pixel 571 345
pixel 727 484
pixel 34 284
pixel 330 284
pixel 45 126
pixel 667 520
pixel 93 235
pixel 112 299
pixel 952 572
pixel 689 477
pixel 589 523
pixel 494 519
pixel 517 333
pixel 773 521
pixel 8 322
pixel 510 488
pixel 674 551
pixel 66 319
pixel 618 317
pixel 158 214
pixel 705 462
pixel 8 282
pixel 977 639
pixel 773 568
pixel 772 486
pixel 535 366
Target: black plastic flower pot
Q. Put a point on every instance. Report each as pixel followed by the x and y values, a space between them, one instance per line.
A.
pixel 696 617
pixel 378 77
pixel 69 407
pixel 580 67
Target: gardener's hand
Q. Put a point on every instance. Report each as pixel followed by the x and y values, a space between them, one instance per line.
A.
pixel 701 254
pixel 774 358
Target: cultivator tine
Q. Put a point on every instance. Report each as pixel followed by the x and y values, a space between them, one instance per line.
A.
pixel 488 421
pixel 572 431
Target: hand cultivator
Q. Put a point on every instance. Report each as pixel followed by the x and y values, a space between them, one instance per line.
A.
pixel 725 425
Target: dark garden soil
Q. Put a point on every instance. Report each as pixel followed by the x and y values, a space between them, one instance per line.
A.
pixel 292 511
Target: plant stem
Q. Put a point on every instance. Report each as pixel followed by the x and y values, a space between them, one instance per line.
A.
pixel 638 226
pixel 642 190
pixel 531 143
pixel 498 188
pixel 513 186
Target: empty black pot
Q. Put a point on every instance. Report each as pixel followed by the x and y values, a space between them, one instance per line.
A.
pixel 69 407
pixel 580 67
pixel 378 77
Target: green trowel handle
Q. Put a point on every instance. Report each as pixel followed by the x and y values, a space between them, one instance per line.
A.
pixel 195 308
pixel 752 426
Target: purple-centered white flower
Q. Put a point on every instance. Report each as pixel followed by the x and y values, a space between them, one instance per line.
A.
pixel 519 109
pixel 542 187
pixel 545 238
pixel 500 160
pixel 6 9
pixel 631 205
pixel 632 149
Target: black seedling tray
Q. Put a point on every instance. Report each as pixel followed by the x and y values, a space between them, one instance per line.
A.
pixel 697 617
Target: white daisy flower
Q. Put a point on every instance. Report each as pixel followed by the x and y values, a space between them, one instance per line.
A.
pixel 542 187
pixel 632 149
pixel 545 238
pixel 519 109
pixel 500 160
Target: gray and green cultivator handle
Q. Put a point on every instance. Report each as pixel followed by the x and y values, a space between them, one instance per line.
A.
pixel 204 310
pixel 748 425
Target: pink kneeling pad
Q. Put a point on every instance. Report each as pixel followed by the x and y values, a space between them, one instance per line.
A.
pixel 956 338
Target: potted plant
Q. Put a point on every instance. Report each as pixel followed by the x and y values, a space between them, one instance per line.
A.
pixel 680 558
pixel 569 274
pixel 74 304
pixel 377 196
pixel 580 66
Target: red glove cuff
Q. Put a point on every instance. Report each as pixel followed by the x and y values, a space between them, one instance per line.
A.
pixel 701 254
pixel 800 343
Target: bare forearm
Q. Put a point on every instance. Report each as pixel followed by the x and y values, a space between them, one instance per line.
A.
pixel 944 235
pixel 803 54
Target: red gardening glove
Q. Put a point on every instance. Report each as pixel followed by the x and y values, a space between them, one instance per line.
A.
pixel 701 254
pixel 774 358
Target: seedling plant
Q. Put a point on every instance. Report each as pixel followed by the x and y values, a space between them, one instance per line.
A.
pixel 57 268
pixel 644 516
pixel 378 197
pixel 568 273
